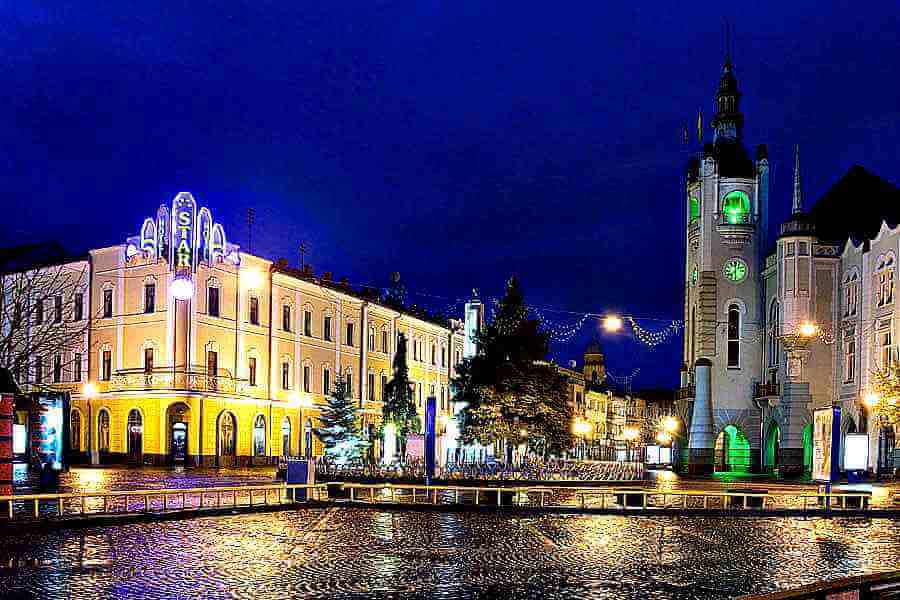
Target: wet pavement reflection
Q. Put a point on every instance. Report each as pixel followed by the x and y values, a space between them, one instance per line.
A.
pixel 355 553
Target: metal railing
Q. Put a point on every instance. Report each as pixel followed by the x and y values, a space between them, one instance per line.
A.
pixel 766 390
pixel 606 498
pixel 686 392
pixel 134 502
pixel 197 380
pixel 873 586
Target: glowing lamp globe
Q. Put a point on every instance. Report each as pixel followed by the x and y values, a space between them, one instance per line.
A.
pixel 663 437
pixel 612 323
pixel 670 424
pixel 252 278
pixel 808 329
pixel 89 390
pixel 871 400
pixel 182 288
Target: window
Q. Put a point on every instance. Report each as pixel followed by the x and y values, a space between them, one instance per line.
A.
pixel 107 304
pixel 326 328
pixel 285 375
pixel 849 357
pixel 326 381
pixel 57 368
pixel 415 349
pixel 885 345
pixel 457 360
pixel 259 436
pixel 443 356
pixel 384 341
pixel 694 209
pixel 212 368
pixel 103 431
pixel 227 434
pixel 774 344
pixel 76 367
pixel 791 249
pixel 431 392
pixel 371 339
pixel 286 437
pixel 851 292
pixel 307 322
pixel 39 312
pixel 433 354
pixel 78 308
pixel 736 208
pixel 149 297
pixel 734 336
pixel 39 369
pixel 286 317
pixel 384 381
pixel 348 380
pixel 212 301
pixel 106 365
pixel 370 384
pixel 254 310
pixel 251 368
pixel 57 309
pixel 75 431
pixel 349 337
pixel 307 384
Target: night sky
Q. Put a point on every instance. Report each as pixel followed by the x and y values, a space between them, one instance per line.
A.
pixel 454 142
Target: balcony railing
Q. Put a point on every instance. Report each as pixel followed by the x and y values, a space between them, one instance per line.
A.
pixel 686 393
pixel 179 378
pixel 766 390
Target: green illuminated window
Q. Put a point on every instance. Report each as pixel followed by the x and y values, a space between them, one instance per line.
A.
pixel 695 209
pixel 736 208
pixel 694 277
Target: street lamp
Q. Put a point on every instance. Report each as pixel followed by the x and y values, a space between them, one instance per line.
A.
pixel 252 278
pixel 182 288
pixel 808 329
pixel 670 424
pixel 89 390
pixel 612 323
pixel 871 400
pixel 663 438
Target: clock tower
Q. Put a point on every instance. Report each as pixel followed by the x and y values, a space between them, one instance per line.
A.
pixel 726 196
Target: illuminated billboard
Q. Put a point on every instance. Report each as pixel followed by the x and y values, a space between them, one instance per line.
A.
pixel 856 452
pixel 826 443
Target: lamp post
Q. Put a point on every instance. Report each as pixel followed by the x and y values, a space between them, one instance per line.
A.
pixel 89 391
pixel 631 434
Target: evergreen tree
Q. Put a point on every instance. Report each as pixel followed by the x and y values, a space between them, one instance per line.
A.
pixel 512 393
pixel 340 432
pixel 398 407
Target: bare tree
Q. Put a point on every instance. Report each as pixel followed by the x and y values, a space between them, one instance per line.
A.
pixel 44 324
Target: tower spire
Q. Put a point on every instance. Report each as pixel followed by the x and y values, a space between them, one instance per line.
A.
pixel 798 194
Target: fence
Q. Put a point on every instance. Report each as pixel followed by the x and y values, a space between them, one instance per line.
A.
pixel 866 587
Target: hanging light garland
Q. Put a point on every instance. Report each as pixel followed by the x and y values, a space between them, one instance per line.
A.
pixel 654 338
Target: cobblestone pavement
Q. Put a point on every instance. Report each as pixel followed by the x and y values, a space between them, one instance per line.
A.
pixel 352 553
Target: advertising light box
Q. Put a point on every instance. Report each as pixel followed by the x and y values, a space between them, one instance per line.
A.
pixel 856 452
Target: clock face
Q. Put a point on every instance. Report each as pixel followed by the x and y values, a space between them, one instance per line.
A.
pixel 735 270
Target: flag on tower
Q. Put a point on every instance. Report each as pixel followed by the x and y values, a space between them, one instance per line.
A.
pixel 700 125
pixel 685 134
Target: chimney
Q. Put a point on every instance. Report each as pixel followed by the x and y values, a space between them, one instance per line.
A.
pixel 326 276
pixel 282 263
pixel 308 270
pixel 345 282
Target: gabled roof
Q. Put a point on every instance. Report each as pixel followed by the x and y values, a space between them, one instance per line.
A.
pixel 855 207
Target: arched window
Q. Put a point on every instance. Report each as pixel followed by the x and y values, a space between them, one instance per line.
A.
pixel 774 344
pixel 135 433
pixel 734 336
pixel 212 297
pixel 286 437
pixel 75 431
pixel 259 436
pixel 694 208
pixel 103 430
pixel 736 208
pixel 227 435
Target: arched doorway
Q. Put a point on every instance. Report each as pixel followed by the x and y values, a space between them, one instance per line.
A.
pixel 226 439
pixel 103 433
pixel 773 447
pixel 135 436
pixel 178 418
pixel 75 431
pixel 807 449
pixel 732 451
pixel 286 437
pixel 307 439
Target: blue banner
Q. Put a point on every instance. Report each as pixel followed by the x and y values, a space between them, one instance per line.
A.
pixel 430 418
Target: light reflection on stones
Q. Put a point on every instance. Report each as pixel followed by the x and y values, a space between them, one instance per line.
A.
pixel 354 553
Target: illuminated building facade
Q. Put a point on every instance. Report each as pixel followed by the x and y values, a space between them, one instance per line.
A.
pixel 200 353
pixel 772 334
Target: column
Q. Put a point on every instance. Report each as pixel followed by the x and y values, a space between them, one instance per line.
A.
pixel 702 443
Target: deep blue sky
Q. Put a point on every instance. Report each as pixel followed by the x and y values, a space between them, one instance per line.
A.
pixel 454 142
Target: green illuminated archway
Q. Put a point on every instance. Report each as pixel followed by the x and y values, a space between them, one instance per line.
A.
pixel 773 446
pixel 807 448
pixel 736 208
pixel 732 450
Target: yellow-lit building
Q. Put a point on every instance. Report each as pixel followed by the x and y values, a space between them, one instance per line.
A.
pixel 199 353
